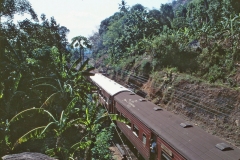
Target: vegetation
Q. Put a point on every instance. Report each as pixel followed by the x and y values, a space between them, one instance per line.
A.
pixel 197 37
pixel 46 101
pixel 183 55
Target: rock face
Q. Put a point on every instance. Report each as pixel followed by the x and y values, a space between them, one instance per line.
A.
pixel 27 156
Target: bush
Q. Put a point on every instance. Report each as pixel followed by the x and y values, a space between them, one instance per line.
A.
pixel 215 73
pixel 146 66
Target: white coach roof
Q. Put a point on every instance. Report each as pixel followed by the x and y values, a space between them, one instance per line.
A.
pixel 110 86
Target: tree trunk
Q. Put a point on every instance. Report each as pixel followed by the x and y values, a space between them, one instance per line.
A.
pixel 82 55
pixel 206 8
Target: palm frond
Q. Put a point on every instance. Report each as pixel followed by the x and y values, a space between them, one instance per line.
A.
pixel 46 85
pixel 77 121
pixel 63 118
pixel 34 133
pixel 71 104
pixel 74 65
pixel 50 115
pixel 60 85
pixel 50 99
pixel 25 113
pixel 84 65
pixel 80 145
pixel 46 127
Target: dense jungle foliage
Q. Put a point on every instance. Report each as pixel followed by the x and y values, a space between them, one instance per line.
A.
pixel 46 101
pixel 197 37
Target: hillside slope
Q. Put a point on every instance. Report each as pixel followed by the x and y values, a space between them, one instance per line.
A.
pixel 213 107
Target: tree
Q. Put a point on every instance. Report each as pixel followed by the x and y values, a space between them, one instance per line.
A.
pixel 137 8
pixel 95 41
pixel 123 7
pixel 167 14
pixel 10 7
pixel 81 43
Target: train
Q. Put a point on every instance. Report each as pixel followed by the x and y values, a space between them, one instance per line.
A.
pixel 175 138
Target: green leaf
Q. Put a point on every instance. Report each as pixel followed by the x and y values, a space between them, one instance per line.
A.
pixel 84 65
pixel 114 117
pixel 74 65
pixel 34 133
pixel 50 99
pixel 81 145
pixel 30 111
pixel 49 124
pixel 71 104
pixel 77 121
pixel 24 113
pixel 46 85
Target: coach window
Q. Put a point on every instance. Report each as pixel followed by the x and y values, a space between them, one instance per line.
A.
pixel 144 138
pixel 114 104
pixel 101 93
pixel 165 156
pixel 135 130
pixel 109 101
pixel 129 125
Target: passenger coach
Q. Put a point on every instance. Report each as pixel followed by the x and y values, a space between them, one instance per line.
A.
pixel 175 138
pixel 107 89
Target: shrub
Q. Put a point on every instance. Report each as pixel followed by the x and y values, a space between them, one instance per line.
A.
pixel 215 73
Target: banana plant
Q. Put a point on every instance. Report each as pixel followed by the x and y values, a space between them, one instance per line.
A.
pixel 62 89
pixel 81 43
pixel 58 126
pixel 10 96
pixel 92 122
pixel 230 31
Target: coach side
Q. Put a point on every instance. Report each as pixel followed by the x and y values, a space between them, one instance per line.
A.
pixel 136 132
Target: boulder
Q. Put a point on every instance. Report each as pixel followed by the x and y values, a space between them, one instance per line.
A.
pixel 27 156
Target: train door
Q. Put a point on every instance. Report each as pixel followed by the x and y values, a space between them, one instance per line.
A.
pixel 153 147
pixel 111 109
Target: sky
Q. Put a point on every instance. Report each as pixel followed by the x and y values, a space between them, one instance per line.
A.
pixel 83 17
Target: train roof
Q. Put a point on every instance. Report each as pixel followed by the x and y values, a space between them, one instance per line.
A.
pixel 110 86
pixel 191 142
